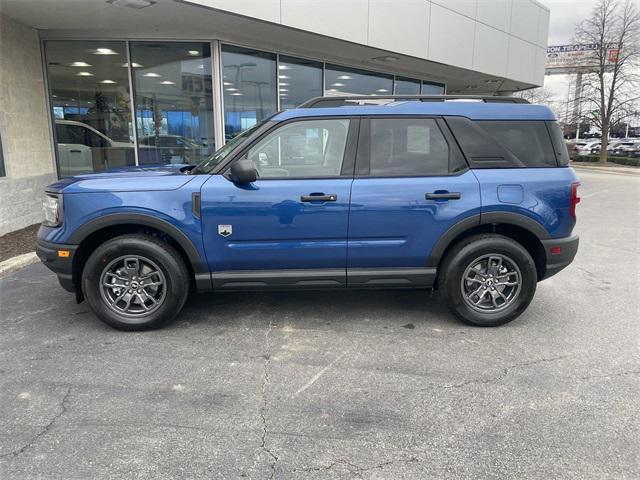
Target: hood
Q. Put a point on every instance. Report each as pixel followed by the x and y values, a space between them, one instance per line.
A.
pixel 126 179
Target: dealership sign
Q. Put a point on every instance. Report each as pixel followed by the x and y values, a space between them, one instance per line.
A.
pixel 579 58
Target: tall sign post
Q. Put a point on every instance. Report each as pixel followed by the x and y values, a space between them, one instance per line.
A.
pixel 577 60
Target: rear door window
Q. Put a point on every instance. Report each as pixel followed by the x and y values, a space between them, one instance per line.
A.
pixel 528 141
pixel 407 147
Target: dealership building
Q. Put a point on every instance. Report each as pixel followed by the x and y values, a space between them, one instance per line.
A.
pixel 96 84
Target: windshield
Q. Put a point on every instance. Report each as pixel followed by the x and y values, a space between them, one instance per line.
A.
pixel 210 163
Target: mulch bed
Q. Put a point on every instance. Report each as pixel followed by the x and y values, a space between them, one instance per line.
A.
pixel 18 242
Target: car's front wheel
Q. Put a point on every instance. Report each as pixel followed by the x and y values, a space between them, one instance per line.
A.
pixel 135 282
pixel 487 280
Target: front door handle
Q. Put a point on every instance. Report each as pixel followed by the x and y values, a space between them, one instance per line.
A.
pixel 443 196
pixel 320 197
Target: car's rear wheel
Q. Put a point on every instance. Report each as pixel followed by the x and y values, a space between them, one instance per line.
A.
pixel 487 280
pixel 135 282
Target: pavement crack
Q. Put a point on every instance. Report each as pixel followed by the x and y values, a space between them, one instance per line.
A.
pixel 352 467
pixel 61 411
pixel 263 393
pixel 608 375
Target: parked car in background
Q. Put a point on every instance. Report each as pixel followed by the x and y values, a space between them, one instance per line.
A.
pixel 581 147
pixel 625 149
pixel 474 198
pixel 167 149
pixel 83 149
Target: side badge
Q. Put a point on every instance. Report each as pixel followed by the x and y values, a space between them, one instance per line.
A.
pixel 225 230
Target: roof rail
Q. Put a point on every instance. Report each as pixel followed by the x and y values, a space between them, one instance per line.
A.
pixel 340 101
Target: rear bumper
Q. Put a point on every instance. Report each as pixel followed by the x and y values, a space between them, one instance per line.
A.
pixel 61 266
pixel 557 260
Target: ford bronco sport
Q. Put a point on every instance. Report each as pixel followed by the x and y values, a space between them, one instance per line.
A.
pixel 472 196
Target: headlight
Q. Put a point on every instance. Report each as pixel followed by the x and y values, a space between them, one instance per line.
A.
pixel 51 211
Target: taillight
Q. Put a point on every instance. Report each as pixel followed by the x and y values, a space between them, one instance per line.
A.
pixel 575 199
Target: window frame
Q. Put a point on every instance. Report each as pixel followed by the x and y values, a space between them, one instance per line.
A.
pixel 3 171
pixel 363 158
pixel 348 162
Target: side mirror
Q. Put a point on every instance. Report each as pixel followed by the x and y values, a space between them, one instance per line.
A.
pixel 243 171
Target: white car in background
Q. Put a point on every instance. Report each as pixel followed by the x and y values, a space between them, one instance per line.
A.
pixel 83 149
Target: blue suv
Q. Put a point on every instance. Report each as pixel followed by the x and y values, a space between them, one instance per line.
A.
pixel 471 196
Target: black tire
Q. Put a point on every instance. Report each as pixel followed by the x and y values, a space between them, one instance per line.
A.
pixel 155 255
pixel 467 253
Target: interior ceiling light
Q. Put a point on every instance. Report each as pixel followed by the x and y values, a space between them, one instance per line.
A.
pixel 80 64
pixel 283 77
pixel 382 90
pixel 84 74
pixel 104 51
pixel 236 94
pixel 107 81
pixel 386 58
pixel 167 82
pixel 283 84
pixel 133 64
pixel 193 53
pixel 284 67
pixel 337 84
pixel 152 75
pixel 227 83
pixel 345 77
pixel 231 89
pixel 136 4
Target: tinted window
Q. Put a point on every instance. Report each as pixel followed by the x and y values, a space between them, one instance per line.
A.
pixel 559 144
pixel 305 149
pixel 299 80
pixel 356 82
pixel 89 84
pixel 528 141
pixel 407 86
pixel 173 97
pixel 249 81
pixel 432 88
pixel 407 147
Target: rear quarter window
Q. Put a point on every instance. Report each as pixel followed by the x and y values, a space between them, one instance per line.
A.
pixel 529 141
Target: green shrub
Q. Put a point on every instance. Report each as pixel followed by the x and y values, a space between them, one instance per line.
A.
pixel 634 162
pixel 586 158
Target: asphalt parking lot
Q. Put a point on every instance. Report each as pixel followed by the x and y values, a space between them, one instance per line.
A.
pixel 310 385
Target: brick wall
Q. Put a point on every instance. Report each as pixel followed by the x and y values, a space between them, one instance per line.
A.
pixel 24 127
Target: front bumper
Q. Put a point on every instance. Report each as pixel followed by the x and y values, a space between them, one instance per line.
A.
pixel 62 266
pixel 560 252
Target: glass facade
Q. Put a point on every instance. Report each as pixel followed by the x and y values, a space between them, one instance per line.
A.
pixel 429 88
pixel 298 81
pixel 123 103
pixel 90 101
pixel 407 86
pixel 351 81
pixel 173 100
pixel 249 87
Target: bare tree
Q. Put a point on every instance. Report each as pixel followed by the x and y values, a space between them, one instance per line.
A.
pixel 612 88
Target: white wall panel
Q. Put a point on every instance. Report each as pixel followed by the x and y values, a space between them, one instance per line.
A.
pixel 336 18
pixel 524 20
pixel 490 50
pixel 496 13
pixel 268 10
pixel 451 37
pixel 522 58
pixel 538 68
pixel 400 26
pixel 465 7
pixel 543 28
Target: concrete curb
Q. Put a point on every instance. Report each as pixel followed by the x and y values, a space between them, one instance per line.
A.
pixel 16 263
pixel 613 170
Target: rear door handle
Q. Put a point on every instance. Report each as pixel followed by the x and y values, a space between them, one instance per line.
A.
pixel 319 198
pixel 443 196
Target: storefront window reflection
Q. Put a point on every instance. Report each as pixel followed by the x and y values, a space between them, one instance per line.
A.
pixel 249 87
pixel 89 91
pixel 173 101
pixel 350 81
